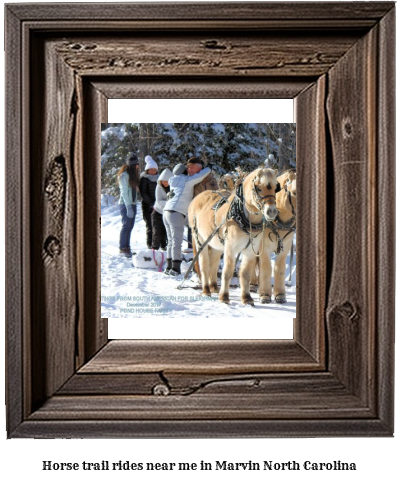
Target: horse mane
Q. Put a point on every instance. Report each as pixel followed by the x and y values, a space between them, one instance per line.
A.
pixel 266 176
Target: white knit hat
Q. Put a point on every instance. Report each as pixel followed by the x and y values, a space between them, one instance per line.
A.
pixel 165 175
pixel 150 163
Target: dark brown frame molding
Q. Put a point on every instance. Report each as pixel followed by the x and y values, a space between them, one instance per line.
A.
pixel 63 62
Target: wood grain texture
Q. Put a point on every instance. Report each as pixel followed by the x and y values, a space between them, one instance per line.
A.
pixel 175 87
pixel 95 329
pixel 200 356
pixel 351 302
pixel 185 384
pixel 111 384
pixel 64 62
pixel 52 208
pixel 311 219
pixel 16 242
pixel 117 428
pixel 203 407
pixel 255 397
pixel 280 12
pixel 385 222
pixel 240 55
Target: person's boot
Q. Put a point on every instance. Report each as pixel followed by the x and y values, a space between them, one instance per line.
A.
pixel 175 271
pixel 168 266
pixel 126 252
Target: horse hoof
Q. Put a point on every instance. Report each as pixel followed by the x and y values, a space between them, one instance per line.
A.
pixel 248 301
pixel 224 299
pixel 206 291
pixel 214 289
pixel 265 299
pixel 280 299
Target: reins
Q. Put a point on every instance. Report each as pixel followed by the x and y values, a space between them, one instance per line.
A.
pixel 277 224
pixel 200 249
pixel 236 212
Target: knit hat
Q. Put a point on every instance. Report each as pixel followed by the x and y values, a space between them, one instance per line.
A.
pixel 165 175
pixel 150 163
pixel 179 169
pixel 195 160
pixel 132 160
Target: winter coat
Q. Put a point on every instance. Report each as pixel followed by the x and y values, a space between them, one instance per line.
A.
pixel 147 186
pixel 182 191
pixel 161 192
pixel 128 195
pixel 208 183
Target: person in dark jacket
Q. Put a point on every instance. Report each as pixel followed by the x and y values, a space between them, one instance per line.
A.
pixel 128 179
pixel 147 186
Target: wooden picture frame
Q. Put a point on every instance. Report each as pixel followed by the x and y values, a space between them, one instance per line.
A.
pixel 335 378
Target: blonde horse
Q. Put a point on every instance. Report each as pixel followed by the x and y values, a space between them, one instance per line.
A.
pixel 277 238
pixel 287 177
pixel 240 220
pixel 229 181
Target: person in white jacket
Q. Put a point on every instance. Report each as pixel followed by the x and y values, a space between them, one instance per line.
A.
pixel 159 237
pixel 175 211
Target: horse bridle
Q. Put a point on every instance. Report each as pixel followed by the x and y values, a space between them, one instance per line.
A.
pixel 289 226
pixel 261 200
pixel 290 201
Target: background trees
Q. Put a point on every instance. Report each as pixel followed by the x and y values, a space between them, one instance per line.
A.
pixel 226 145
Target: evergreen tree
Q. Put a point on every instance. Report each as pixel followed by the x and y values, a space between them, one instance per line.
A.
pixel 164 138
pixel 226 146
pixel 187 142
pixel 213 144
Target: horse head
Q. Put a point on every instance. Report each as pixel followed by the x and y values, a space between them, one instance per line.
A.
pixel 286 201
pixel 260 191
pixel 227 182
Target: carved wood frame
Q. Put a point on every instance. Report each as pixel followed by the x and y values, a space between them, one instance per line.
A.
pixel 64 378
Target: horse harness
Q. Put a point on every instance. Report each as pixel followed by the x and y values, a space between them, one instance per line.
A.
pixel 276 225
pixel 236 213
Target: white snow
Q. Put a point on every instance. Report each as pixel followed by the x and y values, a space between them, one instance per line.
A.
pixel 107 200
pixel 129 293
pixel 118 131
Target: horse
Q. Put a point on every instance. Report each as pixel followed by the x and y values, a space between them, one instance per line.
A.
pixel 230 180
pixel 278 239
pixel 237 223
pixel 227 183
pixel 287 177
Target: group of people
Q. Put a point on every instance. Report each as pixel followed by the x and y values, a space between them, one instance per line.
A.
pixel 165 199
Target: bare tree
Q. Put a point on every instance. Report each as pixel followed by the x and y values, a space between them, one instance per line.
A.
pixel 146 141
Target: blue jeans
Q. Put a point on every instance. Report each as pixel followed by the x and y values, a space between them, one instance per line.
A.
pixel 127 226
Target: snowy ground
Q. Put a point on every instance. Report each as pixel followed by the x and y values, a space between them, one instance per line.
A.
pixel 128 292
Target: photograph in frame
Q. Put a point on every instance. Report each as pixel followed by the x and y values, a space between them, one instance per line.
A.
pixel 233 151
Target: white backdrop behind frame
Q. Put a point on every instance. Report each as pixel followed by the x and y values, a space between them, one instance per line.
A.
pixel 274 325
